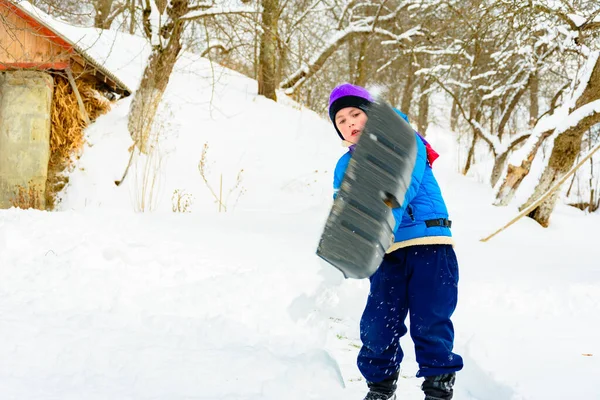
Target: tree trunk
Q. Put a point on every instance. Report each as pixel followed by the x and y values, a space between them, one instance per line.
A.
pixel 423 119
pixel 499 162
pixel 407 93
pixel 454 112
pixel 156 77
pixel 282 54
pixel 500 159
pixel 131 6
pixel 534 107
pixel 553 189
pixel 474 114
pixel 511 107
pixel 567 146
pixel 592 205
pixel 349 60
pixel 267 63
pixel 393 95
pixel 256 48
pixel 516 174
pixel 470 155
pixel 361 63
pixel 101 19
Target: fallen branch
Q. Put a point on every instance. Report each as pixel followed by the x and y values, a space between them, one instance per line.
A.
pixel 131 150
pixel 545 195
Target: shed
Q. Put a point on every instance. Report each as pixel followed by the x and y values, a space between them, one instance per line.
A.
pixel 44 78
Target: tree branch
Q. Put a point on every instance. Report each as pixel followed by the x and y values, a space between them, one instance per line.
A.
pixel 214 11
pixel 547 10
pixel 300 76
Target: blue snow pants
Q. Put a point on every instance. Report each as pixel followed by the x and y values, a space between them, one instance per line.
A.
pixel 422 280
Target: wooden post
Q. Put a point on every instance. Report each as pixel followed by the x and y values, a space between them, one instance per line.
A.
pixel 84 114
pixel 545 195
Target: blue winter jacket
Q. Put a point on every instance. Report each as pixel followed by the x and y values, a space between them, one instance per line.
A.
pixel 423 200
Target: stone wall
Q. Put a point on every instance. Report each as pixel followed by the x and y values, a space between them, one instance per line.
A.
pixel 25 107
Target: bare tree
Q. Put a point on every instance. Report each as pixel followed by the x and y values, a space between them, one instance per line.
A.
pixel 267 65
pixel 372 25
pixel 497 70
pixel 164 23
pixel 552 124
pixel 165 37
pixel 567 145
pixel 107 11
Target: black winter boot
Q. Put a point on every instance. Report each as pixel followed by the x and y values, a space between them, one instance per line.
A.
pixel 383 390
pixel 379 396
pixel 439 387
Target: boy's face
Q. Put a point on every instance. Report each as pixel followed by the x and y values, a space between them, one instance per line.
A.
pixel 351 121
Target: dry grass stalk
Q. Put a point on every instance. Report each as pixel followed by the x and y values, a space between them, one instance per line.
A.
pixel 66 134
pixel 237 188
pixel 181 201
pixel 203 169
pixel 147 183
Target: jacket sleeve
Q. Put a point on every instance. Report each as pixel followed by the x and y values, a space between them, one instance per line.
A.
pixel 339 172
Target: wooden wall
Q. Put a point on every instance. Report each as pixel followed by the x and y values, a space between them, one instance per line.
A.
pixel 25 46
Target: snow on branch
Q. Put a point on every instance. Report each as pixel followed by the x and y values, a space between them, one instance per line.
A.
pixel 587 70
pixel 387 64
pixel 434 70
pixel 222 46
pixel 438 52
pixel 214 11
pixel 519 79
pixel 577 19
pixel 556 123
pixel 575 118
pixel 506 88
pixel 583 23
pixel 484 75
pixel 343 14
pixel 408 35
pixel 318 60
pixel 493 141
pixel 545 125
pixel 388 17
pixel 544 7
pixel 459 84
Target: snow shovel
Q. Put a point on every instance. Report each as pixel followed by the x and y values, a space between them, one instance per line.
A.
pixel 359 228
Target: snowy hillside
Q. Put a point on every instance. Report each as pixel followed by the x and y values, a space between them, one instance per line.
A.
pixel 98 301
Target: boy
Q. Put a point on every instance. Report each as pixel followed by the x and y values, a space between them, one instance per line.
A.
pixel 419 273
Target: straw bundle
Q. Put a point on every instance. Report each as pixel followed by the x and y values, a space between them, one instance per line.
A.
pixel 66 133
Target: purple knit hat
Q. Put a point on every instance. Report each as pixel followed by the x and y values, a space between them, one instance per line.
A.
pixel 347 95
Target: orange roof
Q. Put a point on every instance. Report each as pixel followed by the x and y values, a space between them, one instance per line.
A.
pixel 64 43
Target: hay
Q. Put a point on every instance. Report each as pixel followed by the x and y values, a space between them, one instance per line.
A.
pixel 66 133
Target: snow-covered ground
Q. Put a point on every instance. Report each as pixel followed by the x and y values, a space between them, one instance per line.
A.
pixel 98 301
